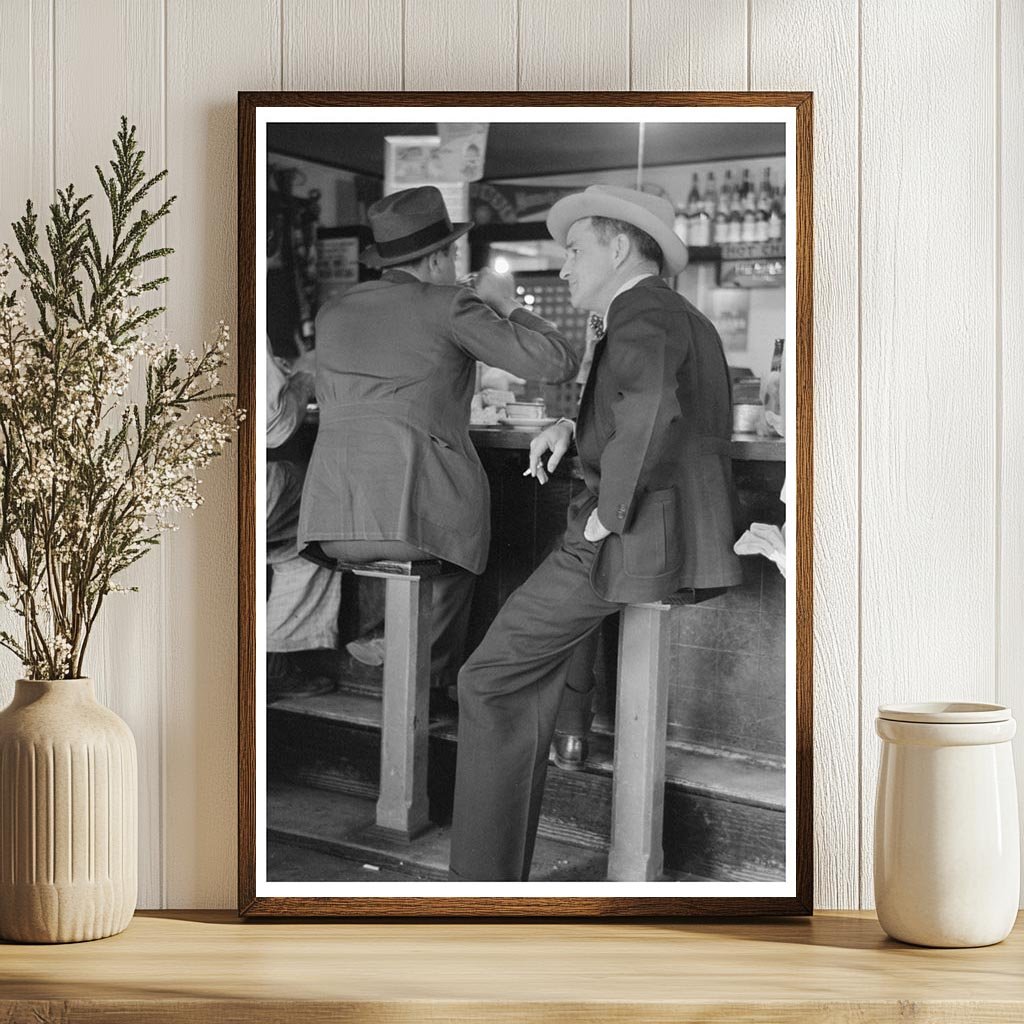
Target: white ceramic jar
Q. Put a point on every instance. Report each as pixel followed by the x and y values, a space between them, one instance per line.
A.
pixel 947 847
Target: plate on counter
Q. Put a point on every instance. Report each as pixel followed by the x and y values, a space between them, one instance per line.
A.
pixel 538 423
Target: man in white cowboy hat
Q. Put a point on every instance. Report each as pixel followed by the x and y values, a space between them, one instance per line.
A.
pixel 393 474
pixel 652 435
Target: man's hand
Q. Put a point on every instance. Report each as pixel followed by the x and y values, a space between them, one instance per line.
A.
pixel 497 290
pixel 595 530
pixel 554 439
pixel 764 539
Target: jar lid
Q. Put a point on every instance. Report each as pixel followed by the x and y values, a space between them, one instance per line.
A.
pixel 945 713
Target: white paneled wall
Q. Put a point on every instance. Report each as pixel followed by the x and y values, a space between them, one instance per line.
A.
pixel 1008 343
pixel 919 324
pixel 831 72
pixel 928 411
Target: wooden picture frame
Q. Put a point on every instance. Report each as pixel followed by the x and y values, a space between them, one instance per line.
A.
pixel 732 894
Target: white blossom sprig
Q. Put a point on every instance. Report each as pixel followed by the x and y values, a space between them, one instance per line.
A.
pixel 90 478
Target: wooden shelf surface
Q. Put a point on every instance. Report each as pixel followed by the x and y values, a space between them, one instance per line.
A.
pixel 208 966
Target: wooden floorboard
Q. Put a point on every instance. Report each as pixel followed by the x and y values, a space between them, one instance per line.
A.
pixel 343 826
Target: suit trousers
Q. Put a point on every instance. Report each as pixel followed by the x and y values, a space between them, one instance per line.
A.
pixel 509 695
pixel 303 599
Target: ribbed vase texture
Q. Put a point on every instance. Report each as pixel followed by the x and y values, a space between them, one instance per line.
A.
pixel 68 815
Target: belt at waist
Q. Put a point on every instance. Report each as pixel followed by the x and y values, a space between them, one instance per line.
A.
pixel 392 409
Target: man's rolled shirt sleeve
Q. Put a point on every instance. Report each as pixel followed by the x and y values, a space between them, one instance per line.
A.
pixel 643 369
pixel 524 344
pixel 286 402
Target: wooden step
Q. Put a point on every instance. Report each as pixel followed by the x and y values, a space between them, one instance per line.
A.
pixel 724 815
pixel 316 835
pixel 343 826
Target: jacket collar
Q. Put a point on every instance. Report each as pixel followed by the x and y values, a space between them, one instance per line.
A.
pixel 643 280
pixel 396 276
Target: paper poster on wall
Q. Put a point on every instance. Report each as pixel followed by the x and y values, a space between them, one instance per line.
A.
pixel 411 160
pixel 462 150
pixel 337 265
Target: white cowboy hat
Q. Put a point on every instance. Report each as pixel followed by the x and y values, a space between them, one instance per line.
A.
pixel 649 213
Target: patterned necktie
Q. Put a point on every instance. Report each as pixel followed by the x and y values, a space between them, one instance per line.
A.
pixel 595 346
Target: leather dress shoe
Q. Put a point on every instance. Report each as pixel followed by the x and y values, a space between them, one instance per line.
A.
pixel 569 751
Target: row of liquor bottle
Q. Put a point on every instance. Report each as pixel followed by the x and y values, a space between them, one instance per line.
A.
pixel 736 212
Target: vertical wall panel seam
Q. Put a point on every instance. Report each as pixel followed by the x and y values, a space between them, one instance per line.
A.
pixel 859 881
pixel 162 693
pixel 32 91
pixel 628 4
pixel 997 213
pixel 53 97
pixel 404 15
pixel 750 46
pixel 519 36
pixel 280 38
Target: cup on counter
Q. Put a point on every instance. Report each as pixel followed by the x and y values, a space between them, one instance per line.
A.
pixel 533 410
pixel 745 418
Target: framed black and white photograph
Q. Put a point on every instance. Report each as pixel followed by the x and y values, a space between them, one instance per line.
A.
pixel 525 504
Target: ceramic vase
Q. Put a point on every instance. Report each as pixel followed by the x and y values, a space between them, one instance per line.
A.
pixel 68 815
pixel 947 847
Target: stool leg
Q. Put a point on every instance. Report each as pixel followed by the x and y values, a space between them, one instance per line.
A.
pixel 402 802
pixel 641 722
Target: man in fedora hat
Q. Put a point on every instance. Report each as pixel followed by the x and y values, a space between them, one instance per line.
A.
pixel 393 474
pixel 656 514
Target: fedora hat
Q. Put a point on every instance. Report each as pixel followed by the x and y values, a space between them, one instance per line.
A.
pixel 409 224
pixel 650 213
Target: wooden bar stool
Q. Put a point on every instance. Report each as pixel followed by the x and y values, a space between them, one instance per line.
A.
pixel 402 805
pixel 641 728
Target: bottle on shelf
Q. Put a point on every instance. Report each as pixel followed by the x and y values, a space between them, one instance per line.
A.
pixel 775 226
pixel 733 228
pixel 710 197
pixel 687 213
pixel 777 351
pixel 693 199
pixel 748 226
pixel 698 228
pixel 763 207
pixel 732 209
pixel 696 217
pixel 745 186
pixel 720 223
pixel 709 206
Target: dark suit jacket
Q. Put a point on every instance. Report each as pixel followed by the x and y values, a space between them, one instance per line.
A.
pixel 396 370
pixel 653 439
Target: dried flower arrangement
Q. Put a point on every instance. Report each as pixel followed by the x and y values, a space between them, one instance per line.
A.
pixel 89 478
